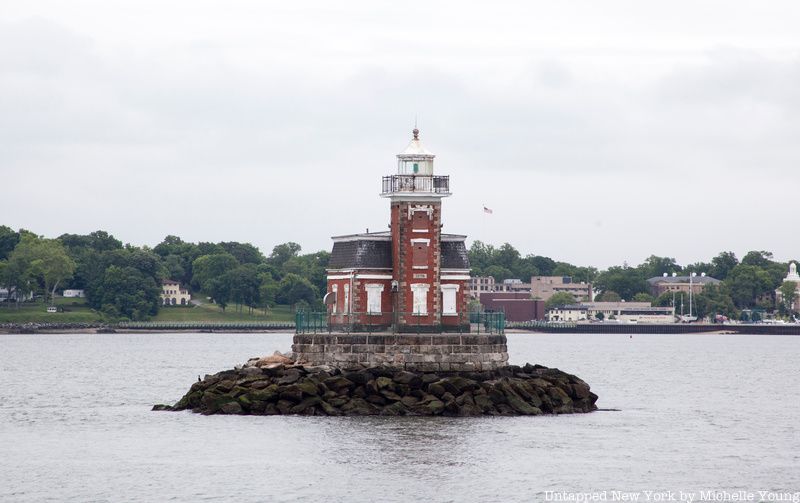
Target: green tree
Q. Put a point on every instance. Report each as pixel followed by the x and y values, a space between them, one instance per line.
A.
pixel 243 281
pixel 44 260
pixel 559 299
pixel 174 267
pixel 499 273
pixel 245 253
pixel 713 300
pixel 788 291
pixel 219 289
pixel 722 265
pixel 209 267
pixel 267 290
pixel 481 256
pixel 746 283
pixel 545 265
pixel 8 240
pixel 626 281
pixel 643 297
pixel 283 252
pixel 608 296
pixel 127 292
pixel 760 258
pixel 294 288
pixel 656 266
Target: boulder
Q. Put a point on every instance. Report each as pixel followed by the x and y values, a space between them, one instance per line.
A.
pixel 279 389
pixel 276 357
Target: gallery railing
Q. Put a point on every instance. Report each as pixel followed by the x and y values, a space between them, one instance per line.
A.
pixel 416 183
pixel 394 322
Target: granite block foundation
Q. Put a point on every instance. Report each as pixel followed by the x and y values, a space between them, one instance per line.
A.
pixel 414 352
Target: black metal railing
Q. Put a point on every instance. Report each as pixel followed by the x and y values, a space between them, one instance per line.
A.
pixel 394 322
pixel 416 183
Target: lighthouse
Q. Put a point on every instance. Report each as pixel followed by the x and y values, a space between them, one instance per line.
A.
pixel 412 277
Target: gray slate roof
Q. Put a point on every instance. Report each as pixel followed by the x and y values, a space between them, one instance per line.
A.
pixel 370 251
pixel 361 254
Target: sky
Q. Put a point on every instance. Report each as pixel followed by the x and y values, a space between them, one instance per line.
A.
pixel 597 132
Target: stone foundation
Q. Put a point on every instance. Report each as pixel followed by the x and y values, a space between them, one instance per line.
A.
pixel 414 352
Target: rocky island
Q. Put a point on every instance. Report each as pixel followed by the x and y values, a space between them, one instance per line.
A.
pixel 275 385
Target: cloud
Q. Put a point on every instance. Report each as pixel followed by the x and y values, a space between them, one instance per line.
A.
pixel 277 128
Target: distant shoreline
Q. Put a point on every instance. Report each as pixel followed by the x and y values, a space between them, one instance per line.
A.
pixel 633 329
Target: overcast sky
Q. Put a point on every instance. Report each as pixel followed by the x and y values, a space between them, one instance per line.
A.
pixel 597 132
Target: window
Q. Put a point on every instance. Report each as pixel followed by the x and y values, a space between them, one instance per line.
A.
pixel 419 253
pixel 374 298
pixel 449 302
pixel 346 307
pixel 420 294
pixel 335 292
pixel 416 168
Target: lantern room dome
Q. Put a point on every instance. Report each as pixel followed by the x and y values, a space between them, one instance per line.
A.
pixel 415 148
pixel 415 159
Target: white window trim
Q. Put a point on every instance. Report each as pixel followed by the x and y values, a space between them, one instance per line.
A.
pixel 446 289
pixel 421 240
pixel 420 289
pixel 372 290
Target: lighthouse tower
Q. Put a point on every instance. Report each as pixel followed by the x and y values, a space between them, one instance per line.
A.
pixel 415 196
pixel 391 286
pixel 413 277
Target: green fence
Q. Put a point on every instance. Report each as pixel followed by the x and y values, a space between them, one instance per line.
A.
pixel 319 322
pixel 191 325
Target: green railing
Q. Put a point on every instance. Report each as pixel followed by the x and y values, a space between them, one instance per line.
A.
pixel 394 322
pixel 541 324
pixel 200 325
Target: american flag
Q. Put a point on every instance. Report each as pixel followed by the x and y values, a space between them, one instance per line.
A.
pixel 487 210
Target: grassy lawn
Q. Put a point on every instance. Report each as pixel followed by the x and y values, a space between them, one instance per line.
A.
pixel 76 311
pixel 212 312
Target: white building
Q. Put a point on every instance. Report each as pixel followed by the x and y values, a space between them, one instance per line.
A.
pixel 173 294
pixel 73 294
pixel 794 277
pixel 5 296
pixel 625 312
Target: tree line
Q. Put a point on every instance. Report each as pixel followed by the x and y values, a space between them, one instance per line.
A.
pixel 745 284
pixel 124 281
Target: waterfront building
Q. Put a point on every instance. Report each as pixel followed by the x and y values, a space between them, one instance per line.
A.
pixel 793 277
pixel 517 306
pixel 678 284
pixel 544 287
pixel 629 312
pixel 7 295
pixel 411 276
pixel 479 285
pixel 514 285
pixel 173 294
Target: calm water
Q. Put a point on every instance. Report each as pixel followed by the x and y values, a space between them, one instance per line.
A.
pixel 698 412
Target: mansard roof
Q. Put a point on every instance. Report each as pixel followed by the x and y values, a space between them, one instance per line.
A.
pixel 374 251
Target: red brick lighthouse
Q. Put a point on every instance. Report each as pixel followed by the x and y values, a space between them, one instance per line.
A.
pixel 413 277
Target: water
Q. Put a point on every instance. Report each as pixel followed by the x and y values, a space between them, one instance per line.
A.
pixel 698 412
